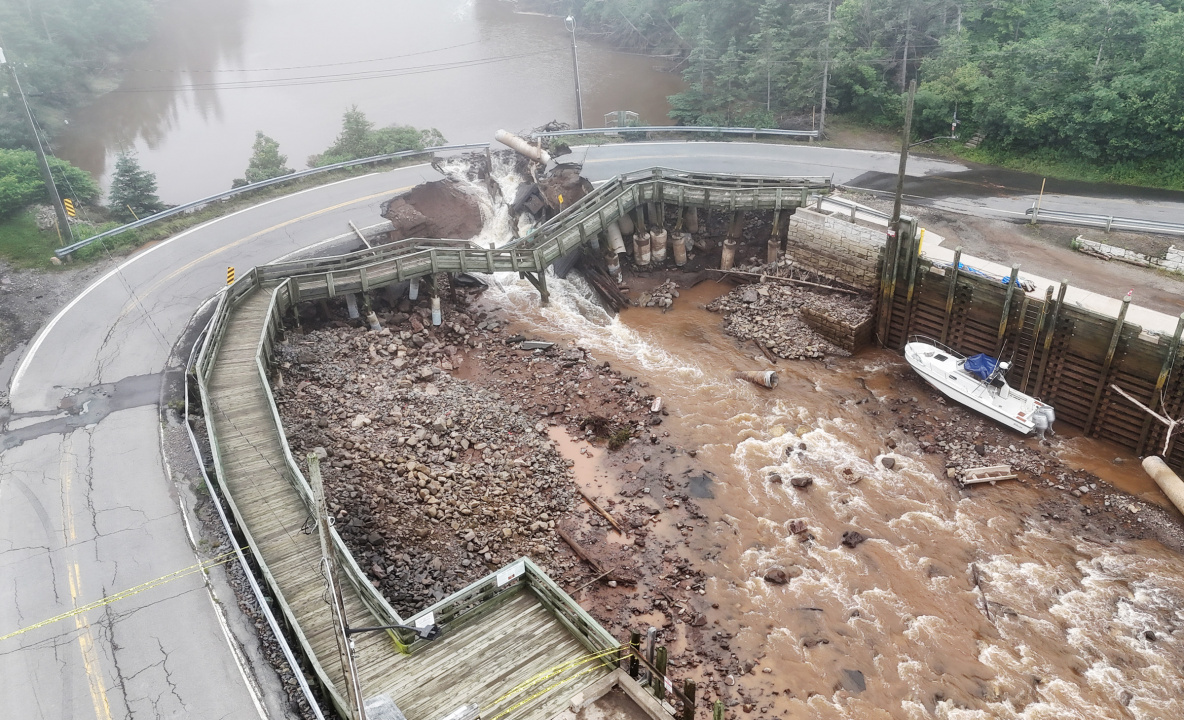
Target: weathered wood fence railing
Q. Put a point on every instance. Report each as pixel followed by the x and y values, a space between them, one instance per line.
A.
pixel 289 283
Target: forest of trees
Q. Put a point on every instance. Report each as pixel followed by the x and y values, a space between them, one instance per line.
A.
pixel 1087 80
pixel 62 50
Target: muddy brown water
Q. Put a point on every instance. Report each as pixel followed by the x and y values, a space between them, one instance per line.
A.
pixel 1078 627
pixel 215 71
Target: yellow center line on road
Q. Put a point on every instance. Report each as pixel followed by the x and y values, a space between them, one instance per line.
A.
pixel 136 300
pixel 86 641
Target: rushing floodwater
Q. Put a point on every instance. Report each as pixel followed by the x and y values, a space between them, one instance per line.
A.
pixel 215 71
pixel 1068 633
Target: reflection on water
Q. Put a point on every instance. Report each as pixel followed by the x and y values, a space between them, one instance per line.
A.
pixel 218 70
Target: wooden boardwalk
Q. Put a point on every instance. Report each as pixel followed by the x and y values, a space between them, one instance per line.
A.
pixel 520 646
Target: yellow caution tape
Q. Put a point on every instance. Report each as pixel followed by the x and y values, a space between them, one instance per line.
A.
pixel 124 594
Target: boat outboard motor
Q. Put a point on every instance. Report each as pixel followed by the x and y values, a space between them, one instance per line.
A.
pixel 1042 420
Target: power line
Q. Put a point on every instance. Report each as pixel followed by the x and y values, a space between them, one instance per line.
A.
pixel 337 77
pixel 294 67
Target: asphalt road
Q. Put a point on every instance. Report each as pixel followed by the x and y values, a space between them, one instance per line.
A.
pixel 88 508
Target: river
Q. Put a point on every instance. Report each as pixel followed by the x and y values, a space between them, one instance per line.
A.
pixel 216 71
pixel 992 602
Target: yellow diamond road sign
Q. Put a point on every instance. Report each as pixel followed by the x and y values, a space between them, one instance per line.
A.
pixel 69 207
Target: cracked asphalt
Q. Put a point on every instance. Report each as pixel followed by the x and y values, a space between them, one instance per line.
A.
pixel 89 506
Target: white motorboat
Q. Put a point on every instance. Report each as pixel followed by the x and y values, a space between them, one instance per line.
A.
pixel 978 383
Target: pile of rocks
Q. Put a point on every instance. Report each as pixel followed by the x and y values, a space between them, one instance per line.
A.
pixel 432 480
pixel 771 313
pixel 661 296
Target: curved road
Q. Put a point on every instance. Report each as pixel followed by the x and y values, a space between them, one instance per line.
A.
pixel 88 507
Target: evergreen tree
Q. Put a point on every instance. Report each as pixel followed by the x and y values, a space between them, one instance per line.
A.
pixel 133 190
pixel 266 161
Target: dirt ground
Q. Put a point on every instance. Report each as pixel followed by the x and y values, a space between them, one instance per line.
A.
pixel 28 298
pixel 1045 250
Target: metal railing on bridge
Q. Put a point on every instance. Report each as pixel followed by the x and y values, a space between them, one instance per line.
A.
pixel 1106 222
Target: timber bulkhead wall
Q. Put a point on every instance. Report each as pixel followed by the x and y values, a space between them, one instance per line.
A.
pixel 1065 355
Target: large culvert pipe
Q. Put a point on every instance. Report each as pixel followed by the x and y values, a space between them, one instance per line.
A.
pixel 1166 479
pixel 522 147
pixel 616 242
pixel 658 245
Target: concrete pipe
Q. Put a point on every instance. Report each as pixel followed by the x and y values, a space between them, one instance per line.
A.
pixel 436 317
pixel 679 246
pixel 1167 480
pixel 658 245
pixel 614 265
pixel 728 258
pixel 372 319
pixel 641 249
pixel 616 243
pixel 522 147
pixel 774 250
pixel 691 220
pixel 626 223
pixel 764 378
pixel 413 290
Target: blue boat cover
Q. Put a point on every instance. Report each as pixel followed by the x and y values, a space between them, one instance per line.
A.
pixel 981 366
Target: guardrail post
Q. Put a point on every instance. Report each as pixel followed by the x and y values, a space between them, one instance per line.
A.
pixel 1109 222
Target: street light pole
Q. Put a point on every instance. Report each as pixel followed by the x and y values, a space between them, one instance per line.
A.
pixel 46 175
pixel 570 22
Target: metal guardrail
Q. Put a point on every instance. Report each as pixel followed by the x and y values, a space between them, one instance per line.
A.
pixel 688 129
pixel 1107 222
pixel 70 249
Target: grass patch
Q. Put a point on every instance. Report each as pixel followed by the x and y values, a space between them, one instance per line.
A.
pixel 33 250
pixel 1165 175
pixel 612 435
pixel 23 245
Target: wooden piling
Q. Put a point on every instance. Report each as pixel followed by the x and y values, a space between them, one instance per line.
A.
pixel 660 678
pixel 914 265
pixel 1015 274
pixel 717 711
pixel 1164 370
pixel 888 285
pixel 945 326
pixel 688 707
pixel 635 647
pixel 1036 338
pixel 1114 337
pixel 1048 337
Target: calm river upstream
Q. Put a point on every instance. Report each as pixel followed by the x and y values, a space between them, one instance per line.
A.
pixel 216 71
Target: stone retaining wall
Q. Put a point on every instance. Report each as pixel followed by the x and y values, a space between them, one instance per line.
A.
pixel 835 248
pixel 842 333
pixel 1172 261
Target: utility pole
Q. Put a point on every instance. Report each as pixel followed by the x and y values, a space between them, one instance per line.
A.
pixel 329 559
pixel 825 70
pixel 570 22
pixel 906 135
pixel 46 175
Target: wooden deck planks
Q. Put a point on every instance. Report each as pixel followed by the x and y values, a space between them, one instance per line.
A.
pixel 480 662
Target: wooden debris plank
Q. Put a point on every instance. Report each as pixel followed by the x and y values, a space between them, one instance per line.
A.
pixel 991 474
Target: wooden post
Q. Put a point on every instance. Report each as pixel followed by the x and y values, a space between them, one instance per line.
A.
pixel 1164 371
pixel 1015 274
pixel 660 677
pixel 1114 337
pixel 888 285
pixel 635 647
pixel 945 327
pixel 717 712
pixel 688 708
pixel 348 670
pixel 914 266
pixel 1048 337
pixel 1036 338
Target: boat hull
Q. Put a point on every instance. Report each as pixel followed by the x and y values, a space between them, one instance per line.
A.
pixel 938 380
